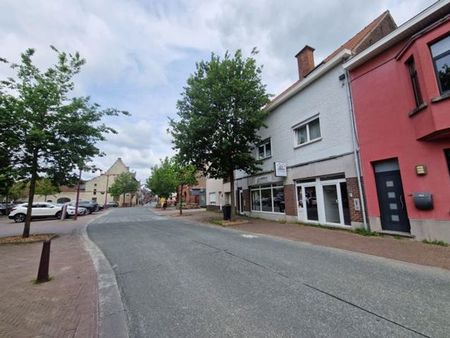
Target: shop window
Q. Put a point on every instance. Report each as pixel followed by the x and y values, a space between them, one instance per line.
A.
pixel 264 150
pixel 440 52
pixel 268 198
pixel 307 132
pixel 414 81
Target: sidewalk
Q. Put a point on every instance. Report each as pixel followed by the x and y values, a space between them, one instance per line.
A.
pixel 66 306
pixel 404 249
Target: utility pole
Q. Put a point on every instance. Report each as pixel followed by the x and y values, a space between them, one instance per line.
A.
pixel 106 190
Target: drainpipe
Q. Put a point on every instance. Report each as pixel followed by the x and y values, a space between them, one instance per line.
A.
pixel 356 151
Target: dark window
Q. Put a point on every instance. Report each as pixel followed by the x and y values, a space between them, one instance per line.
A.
pixel 264 149
pixel 441 59
pixel 415 81
pixel 447 156
pixel 95 192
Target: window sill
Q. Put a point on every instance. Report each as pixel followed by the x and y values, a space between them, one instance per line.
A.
pixel 417 109
pixel 307 143
pixel 440 98
pixel 264 158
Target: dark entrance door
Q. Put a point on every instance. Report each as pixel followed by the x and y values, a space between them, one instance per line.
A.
pixel 391 199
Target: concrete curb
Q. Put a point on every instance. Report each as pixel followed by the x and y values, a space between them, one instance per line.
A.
pixel 112 318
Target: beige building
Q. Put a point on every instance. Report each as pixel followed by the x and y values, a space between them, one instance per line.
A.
pixel 94 189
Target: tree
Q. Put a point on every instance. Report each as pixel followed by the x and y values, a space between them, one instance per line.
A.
pixel 125 183
pixel 18 190
pixel 54 133
pixel 45 187
pixel 185 175
pixel 162 181
pixel 220 113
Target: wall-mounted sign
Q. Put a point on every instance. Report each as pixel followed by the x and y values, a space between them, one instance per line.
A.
pixel 421 170
pixel 280 169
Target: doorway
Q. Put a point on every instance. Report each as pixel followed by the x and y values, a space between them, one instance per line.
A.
pixel 323 201
pixel 391 198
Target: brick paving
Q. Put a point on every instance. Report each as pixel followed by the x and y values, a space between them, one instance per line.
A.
pixel 404 249
pixel 64 307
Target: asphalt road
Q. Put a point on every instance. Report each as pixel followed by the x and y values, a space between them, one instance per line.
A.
pixel 190 280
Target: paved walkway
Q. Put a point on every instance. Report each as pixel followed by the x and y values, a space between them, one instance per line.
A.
pixel 407 250
pixel 64 307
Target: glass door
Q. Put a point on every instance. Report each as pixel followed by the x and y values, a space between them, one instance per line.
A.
pixel 310 198
pixel 331 203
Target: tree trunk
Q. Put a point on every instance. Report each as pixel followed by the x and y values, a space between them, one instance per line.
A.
pixel 233 209
pixel 181 199
pixel 34 166
pixel 123 203
pixel 45 198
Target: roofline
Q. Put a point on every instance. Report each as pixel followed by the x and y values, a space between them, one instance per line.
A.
pixel 313 76
pixel 408 28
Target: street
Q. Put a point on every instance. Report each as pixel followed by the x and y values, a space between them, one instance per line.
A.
pixel 180 279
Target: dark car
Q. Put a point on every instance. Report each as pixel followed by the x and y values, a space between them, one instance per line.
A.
pixel 6 208
pixel 112 204
pixel 91 206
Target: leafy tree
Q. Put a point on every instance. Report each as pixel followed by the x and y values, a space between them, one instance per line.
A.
pixel 162 181
pixel 125 183
pixel 18 190
pixel 45 187
pixel 53 133
pixel 185 175
pixel 220 112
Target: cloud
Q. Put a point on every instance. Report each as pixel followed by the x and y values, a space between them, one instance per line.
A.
pixel 140 53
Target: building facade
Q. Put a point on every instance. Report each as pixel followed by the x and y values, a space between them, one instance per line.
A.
pixel 401 97
pixel 309 172
pixel 95 189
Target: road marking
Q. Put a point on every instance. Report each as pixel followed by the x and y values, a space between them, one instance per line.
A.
pixel 249 236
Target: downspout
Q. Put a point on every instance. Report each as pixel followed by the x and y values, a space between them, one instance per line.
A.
pixel 355 142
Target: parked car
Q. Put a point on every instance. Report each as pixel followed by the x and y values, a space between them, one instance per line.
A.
pixel 70 211
pixel 38 210
pixel 89 205
pixel 112 204
pixel 5 208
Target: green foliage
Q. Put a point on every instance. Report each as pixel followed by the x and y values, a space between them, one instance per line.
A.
pixel 365 232
pixel 45 187
pixel 435 242
pixel 220 112
pixel 125 183
pixel 18 190
pixel 47 131
pixel 163 181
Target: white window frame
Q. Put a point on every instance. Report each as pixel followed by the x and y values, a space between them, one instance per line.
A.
pixel 306 124
pixel 259 188
pixel 215 198
pixel 264 144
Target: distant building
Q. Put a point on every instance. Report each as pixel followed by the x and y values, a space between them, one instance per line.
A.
pixel 94 189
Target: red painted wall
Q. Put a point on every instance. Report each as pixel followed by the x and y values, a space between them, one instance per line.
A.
pixel 383 97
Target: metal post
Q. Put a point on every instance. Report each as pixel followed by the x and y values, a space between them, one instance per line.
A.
pixel 44 263
pixel 78 197
pixel 106 190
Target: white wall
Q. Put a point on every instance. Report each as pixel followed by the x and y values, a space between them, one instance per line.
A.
pixel 327 97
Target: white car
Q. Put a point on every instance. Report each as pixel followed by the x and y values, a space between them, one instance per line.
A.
pixel 38 210
pixel 71 210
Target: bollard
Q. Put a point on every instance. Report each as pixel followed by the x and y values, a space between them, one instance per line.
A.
pixel 44 263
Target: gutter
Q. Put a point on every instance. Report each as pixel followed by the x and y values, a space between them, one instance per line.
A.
pixel 355 142
pixel 315 75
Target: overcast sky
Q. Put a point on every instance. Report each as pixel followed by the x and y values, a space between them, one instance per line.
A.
pixel 140 53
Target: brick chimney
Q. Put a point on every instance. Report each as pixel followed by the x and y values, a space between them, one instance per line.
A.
pixel 305 60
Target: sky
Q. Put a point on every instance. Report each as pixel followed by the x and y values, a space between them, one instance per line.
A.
pixel 140 53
